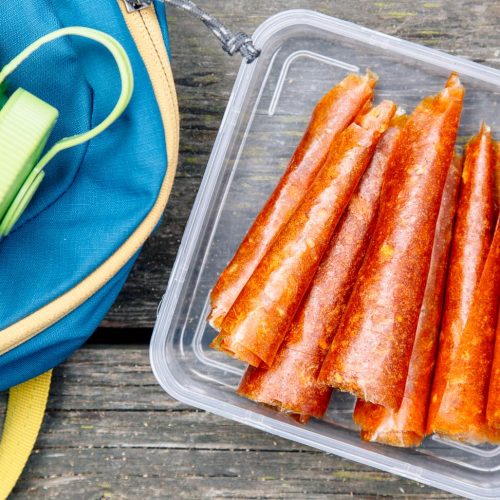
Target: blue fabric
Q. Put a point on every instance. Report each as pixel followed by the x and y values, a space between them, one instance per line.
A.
pixel 93 196
pixel 53 346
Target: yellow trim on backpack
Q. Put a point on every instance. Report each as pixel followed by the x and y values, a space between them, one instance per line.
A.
pixel 23 420
pixel 145 30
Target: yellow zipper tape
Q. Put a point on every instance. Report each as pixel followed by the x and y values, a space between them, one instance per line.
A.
pixel 145 30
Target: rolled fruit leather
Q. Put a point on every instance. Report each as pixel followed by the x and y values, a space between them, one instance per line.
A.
pixel 257 323
pixel 334 112
pixel 371 352
pixel 290 384
pixel 406 426
pixel 460 387
pixel 493 408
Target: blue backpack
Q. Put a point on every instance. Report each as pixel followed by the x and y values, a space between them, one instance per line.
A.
pixel 64 259
pixel 67 257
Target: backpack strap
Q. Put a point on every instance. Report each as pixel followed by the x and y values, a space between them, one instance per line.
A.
pixel 25 411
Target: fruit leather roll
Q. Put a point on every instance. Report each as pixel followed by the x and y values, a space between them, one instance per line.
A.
pixel 493 408
pixel 258 321
pixel 371 352
pixel 460 387
pixel 334 112
pixel 406 426
pixel 290 384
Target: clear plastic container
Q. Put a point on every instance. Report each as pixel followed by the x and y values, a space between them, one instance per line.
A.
pixel 303 54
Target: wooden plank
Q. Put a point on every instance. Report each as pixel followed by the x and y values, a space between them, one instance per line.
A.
pixel 101 438
pixel 205 76
pixel 173 473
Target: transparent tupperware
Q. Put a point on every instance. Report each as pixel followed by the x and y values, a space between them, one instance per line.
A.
pixel 303 54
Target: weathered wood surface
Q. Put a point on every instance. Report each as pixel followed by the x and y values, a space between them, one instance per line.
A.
pixel 111 431
pixel 205 76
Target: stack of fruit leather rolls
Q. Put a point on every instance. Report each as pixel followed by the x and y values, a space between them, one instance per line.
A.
pixel 371 352
pixel 460 388
pixel 258 321
pixel 334 112
pixel 290 383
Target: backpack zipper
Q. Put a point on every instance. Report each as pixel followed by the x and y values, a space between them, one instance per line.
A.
pixel 135 5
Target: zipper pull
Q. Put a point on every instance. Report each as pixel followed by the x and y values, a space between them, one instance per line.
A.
pixel 134 5
pixel 231 43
